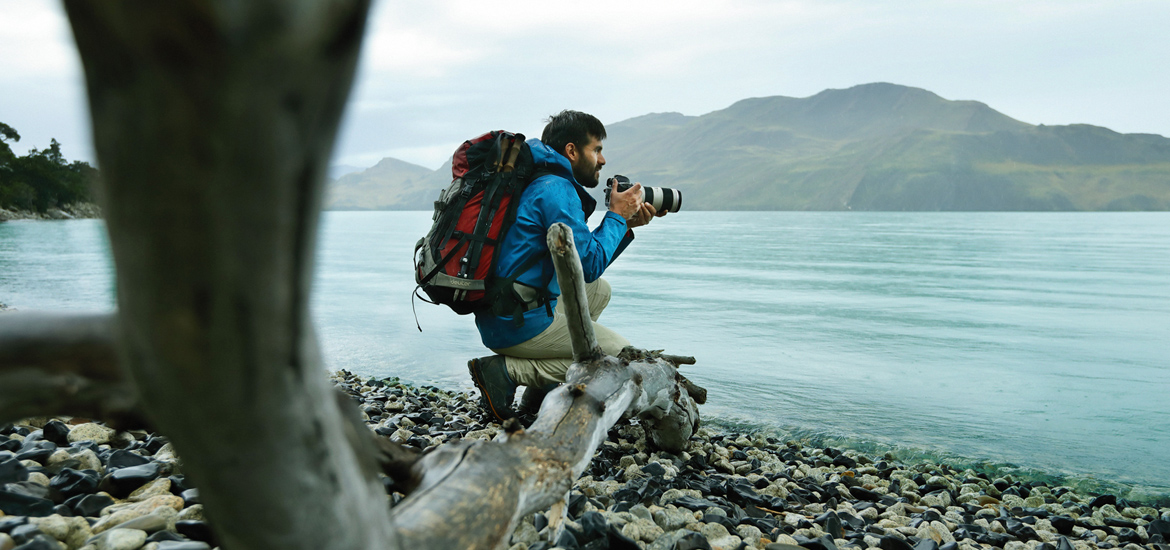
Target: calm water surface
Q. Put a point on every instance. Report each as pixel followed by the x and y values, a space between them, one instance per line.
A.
pixel 1023 340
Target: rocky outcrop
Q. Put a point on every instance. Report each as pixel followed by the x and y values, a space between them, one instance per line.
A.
pixel 81 210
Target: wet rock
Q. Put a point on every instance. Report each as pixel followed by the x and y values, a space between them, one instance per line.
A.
pixel 889 542
pixel 41 542
pixel 1103 500
pixel 90 432
pixel 118 539
pixel 92 505
pixel 123 481
pixel 183 545
pixel 20 504
pixel 57 432
pixel 124 459
pixel 196 530
pixel 70 482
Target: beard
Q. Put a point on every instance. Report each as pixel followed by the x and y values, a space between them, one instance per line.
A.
pixel 588 177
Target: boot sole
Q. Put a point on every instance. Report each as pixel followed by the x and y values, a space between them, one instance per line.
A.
pixel 479 385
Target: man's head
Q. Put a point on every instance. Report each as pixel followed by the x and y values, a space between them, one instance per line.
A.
pixel 577 136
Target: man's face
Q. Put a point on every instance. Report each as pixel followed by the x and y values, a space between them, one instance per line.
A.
pixel 587 162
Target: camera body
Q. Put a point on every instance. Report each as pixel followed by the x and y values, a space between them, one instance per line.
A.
pixel 661 198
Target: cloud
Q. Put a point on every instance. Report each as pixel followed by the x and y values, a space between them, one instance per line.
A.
pixel 433 73
pixel 36 41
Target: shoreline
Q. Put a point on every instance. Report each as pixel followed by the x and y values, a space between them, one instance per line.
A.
pixel 76 211
pixel 1081 481
pixel 728 490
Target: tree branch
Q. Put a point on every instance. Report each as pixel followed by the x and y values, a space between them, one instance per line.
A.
pixel 63 364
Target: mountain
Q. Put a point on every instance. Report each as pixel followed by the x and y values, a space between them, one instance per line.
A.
pixel 338 170
pixel 870 147
pixel 391 184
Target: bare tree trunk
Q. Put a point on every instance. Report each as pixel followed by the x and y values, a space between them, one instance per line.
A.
pixel 213 123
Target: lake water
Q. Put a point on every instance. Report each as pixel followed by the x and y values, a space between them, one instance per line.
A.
pixel 1021 342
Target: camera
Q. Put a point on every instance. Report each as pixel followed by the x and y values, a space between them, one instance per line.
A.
pixel 663 199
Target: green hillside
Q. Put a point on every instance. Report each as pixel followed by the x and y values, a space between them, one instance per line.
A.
pixel 391 184
pixel 871 147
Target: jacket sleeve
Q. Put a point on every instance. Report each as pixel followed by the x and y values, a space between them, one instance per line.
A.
pixel 597 248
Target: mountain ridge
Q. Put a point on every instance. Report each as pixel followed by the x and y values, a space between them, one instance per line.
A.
pixel 877 146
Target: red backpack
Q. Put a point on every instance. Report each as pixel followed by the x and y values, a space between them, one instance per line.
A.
pixel 454 264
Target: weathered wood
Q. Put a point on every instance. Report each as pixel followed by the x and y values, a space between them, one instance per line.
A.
pixel 213 123
pixel 571 279
pixel 62 364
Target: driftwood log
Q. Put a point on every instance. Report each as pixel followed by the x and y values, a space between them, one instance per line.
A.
pixel 213 123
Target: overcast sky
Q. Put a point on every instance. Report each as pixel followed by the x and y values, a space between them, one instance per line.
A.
pixel 434 72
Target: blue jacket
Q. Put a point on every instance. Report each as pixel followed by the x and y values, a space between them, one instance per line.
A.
pixel 555 197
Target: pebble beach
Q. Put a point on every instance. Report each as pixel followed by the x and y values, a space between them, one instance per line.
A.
pixel 69 483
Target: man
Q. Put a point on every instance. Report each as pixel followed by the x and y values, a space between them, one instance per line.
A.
pixel 532 343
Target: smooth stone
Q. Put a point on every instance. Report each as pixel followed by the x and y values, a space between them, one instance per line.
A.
pixel 6 542
pixel 41 542
pixel 864 494
pixel 24 533
pixel 192 513
pixel 125 480
pixel 90 432
pixel 89 460
pixel 681 540
pixel 38 478
pixel 191 497
pixel 154 488
pixel 163 536
pixel 889 542
pixel 18 504
pixel 37 451
pixel 57 432
pixel 183 545
pixel 12 471
pixel 70 482
pixel 149 523
pixel 1103 500
pixel 92 505
pixel 125 459
pixel 55 526
pixel 119 539
pixel 195 530
pixel 126 512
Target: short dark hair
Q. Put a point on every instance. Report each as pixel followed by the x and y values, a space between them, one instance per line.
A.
pixel 573 127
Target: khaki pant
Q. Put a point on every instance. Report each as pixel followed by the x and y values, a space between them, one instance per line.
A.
pixel 544 358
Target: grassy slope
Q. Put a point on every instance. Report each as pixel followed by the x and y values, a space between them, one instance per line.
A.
pixel 887 147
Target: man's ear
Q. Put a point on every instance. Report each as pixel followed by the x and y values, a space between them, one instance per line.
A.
pixel 571 152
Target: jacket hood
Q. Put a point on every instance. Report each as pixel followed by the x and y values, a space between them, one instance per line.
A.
pixel 546 158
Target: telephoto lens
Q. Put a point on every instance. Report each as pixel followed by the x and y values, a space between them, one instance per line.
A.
pixel 663 199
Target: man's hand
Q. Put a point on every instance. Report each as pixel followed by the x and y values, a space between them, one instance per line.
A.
pixel 628 203
pixel 644 216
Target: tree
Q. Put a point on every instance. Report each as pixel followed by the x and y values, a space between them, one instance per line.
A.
pixel 7 133
pixel 41 179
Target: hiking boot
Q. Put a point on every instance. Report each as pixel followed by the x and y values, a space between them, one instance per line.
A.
pixel 496 388
pixel 533 397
